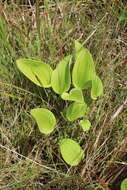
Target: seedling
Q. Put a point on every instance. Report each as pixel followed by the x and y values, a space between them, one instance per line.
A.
pixel 83 77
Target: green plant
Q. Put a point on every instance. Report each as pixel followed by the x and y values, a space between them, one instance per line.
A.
pixel 85 124
pixel 123 16
pixel 71 151
pixel 124 184
pixel 45 119
pixel 83 77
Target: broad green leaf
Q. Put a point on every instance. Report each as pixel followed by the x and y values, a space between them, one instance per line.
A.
pixel 37 71
pixel 71 152
pixel 84 69
pixel 97 88
pixel 76 110
pixel 74 95
pixel 85 124
pixel 61 78
pixel 124 184
pixel 45 119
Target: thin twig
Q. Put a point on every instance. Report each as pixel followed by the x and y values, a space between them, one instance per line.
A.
pixel 100 133
pixel 118 111
pixel 120 108
pixel 92 33
pixel 34 162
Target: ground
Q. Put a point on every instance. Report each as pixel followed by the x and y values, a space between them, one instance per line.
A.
pixel 46 31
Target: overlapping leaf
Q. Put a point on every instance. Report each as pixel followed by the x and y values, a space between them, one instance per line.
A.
pixel 71 151
pixel 84 69
pixel 76 110
pixel 45 119
pixel 37 71
pixel 61 78
pixel 74 95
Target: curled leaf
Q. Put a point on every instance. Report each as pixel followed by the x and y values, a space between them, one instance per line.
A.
pixel 71 151
pixel 45 119
pixel 37 71
pixel 61 78
pixel 74 95
pixel 76 110
pixel 84 69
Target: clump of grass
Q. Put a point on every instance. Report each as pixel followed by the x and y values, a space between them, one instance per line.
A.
pixel 105 144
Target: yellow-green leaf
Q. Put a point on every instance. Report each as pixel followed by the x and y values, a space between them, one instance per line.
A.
pixel 76 110
pixel 74 95
pixel 71 151
pixel 124 184
pixel 61 78
pixel 37 71
pixel 45 119
pixel 84 69
pixel 97 88
pixel 85 124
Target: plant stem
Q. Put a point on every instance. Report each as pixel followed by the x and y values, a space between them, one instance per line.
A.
pixel 37 15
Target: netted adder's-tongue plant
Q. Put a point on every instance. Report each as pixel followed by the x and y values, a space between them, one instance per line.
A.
pixel 83 77
pixel 124 184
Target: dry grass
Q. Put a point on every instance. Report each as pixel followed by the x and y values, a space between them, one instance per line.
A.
pixel 22 164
